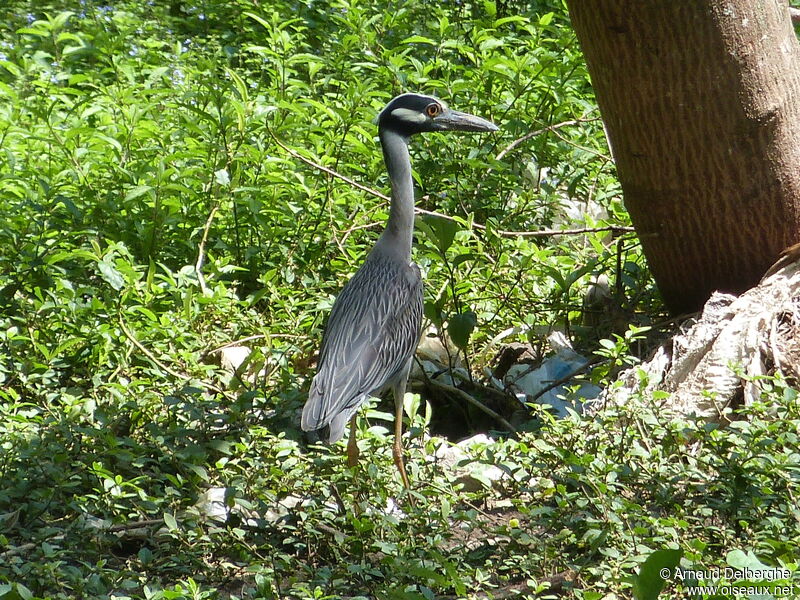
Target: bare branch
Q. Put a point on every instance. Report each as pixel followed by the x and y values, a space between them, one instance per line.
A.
pixel 555 232
pixel 584 148
pixel 540 233
pixel 422 211
pixel 201 251
pixel 158 363
pixel 14 550
pixel 325 169
pixel 350 230
pixel 450 389
pixel 566 378
pixel 135 525
pixel 533 134
pixel 149 354
pixel 250 338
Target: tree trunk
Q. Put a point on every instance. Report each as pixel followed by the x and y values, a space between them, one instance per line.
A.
pixel 701 102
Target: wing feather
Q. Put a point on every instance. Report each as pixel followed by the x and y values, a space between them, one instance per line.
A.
pixel 372 333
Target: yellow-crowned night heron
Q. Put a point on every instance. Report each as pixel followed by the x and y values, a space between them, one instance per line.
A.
pixel 374 326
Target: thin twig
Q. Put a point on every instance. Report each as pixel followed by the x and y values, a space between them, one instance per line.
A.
pixel 675 320
pixel 201 251
pixel 134 525
pixel 338 498
pixel 239 342
pixel 149 354
pixel 161 365
pixel 500 232
pixel 450 389
pixel 561 380
pixel 325 169
pixel 23 548
pixel 347 232
pixel 444 492
pixel 111 529
pixel 554 232
pixel 484 389
pixel 617 229
pixel 550 128
pixel 331 530
pixel 250 338
pixel 540 233
pixel 532 134
pixel 558 585
pixel 584 148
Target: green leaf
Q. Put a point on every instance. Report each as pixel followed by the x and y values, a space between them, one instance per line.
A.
pixel 441 231
pixel 418 39
pixel 109 272
pixel 24 593
pixel 33 31
pixel 654 573
pixel 546 19
pixel 463 258
pixel 69 37
pixel 741 560
pixel 411 404
pixel 109 140
pixel 15 591
pixel 433 311
pixel 137 191
pixel 61 19
pixel 513 19
pixel 170 522
pixel 222 177
pixel 264 23
pixel 11 67
pixel 460 328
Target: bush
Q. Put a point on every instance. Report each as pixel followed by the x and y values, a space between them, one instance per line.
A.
pixel 161 199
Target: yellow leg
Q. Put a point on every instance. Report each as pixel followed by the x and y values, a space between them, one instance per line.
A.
pixel 352 446
pixel 397 448
pixel 352 461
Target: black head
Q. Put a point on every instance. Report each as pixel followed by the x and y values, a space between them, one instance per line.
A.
pixel 408 114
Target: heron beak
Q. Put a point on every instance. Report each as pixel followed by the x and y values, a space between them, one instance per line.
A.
pixel 453 120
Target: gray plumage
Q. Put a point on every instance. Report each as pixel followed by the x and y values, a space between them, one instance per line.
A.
pixel 374 326
pixel 371 336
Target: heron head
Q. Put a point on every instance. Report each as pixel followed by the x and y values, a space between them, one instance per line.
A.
pixel 408 114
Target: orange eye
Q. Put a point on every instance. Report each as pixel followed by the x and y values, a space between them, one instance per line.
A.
pixel 433 109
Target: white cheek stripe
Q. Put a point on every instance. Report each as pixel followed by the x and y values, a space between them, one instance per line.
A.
pixel 411 116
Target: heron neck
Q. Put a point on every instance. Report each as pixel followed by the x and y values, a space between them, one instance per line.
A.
pixel 400 226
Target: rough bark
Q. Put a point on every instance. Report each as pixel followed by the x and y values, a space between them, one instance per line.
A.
pixel 758 332
pixel 701 101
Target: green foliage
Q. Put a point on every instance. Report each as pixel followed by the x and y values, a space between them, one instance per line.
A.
pixel 650 581
pixel 156 208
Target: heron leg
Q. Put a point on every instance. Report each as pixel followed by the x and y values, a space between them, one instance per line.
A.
pixel 397 447
pixel 352 446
